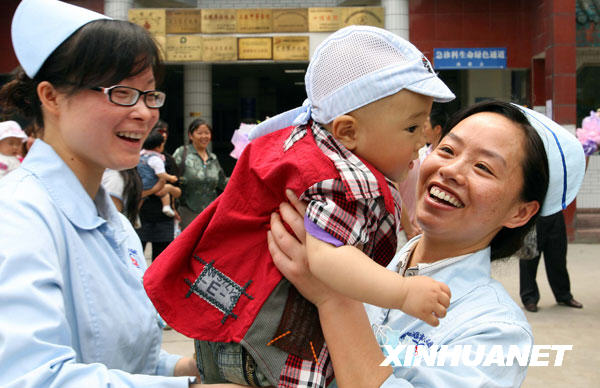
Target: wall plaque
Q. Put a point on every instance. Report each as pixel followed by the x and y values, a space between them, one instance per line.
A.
pixel 183 21
pixel 219 48
pixel 152 19
pixel 290 20
pixel 324 19
pixel 218 21
pixel 251 21
pixel 368 16
pixel 290 48
pixel 184 48
pixel 255 48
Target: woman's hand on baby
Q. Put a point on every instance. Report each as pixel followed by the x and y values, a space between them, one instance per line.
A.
pixel 289 253
pixel 425 298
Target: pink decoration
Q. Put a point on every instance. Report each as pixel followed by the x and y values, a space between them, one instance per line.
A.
pixel 589 132
pixel 240 139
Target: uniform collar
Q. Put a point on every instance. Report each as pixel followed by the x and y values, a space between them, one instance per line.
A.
pixel 66 190
pixel 461 273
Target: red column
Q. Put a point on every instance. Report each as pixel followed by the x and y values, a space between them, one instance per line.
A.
pixel 560 85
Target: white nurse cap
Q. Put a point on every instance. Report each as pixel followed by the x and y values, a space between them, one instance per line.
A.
pixel 566 161
pixel 40 26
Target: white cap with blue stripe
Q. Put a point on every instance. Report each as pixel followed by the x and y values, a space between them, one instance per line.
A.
pixel 566 161
pixel 356 66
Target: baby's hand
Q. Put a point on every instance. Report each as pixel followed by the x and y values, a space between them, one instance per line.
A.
pixel 425 298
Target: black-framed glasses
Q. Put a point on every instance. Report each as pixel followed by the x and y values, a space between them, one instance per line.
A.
pixel 128 96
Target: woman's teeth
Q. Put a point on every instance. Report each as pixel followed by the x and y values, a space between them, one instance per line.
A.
pixel 444 196
pixel 130 135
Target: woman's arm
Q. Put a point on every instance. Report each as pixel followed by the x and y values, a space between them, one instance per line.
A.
pixel 154 189
pixel 354 351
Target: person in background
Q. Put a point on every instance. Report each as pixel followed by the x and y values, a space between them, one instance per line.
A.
pixel 157 227
pixel 152 169
pixel 551 236
pixel 201 176
pixel 434 130
pixel 73 311
pixel 11 143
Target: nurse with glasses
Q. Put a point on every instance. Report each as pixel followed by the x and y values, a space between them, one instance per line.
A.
pixel 73 312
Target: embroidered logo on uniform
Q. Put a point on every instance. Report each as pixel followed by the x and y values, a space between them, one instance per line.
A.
pixel 417 339
pixel 217 289
pixel 133 256
pixel 426 64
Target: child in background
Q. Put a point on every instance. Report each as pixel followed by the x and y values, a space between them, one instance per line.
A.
pixel 11 142
pixel 369 94
pixel 152 168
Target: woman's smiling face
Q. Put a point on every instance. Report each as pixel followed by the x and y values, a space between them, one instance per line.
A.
pixel 469 186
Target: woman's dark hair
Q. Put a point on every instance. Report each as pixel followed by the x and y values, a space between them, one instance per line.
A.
pixel 101 53
pixel 161 125
pixel 196 123
pixel 154 139
pixel 438 115
pixel 535 171
pixel 132 191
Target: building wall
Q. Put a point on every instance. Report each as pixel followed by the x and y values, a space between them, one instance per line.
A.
pixel 473 23
pixel 8 60
pixel 589 194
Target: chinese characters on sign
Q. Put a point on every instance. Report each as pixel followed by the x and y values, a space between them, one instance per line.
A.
pixel 184 48
pixel 290 48
pixel 183 21
pixel 324 19
pixel 218 21
pixel 255 48
pixel 219 49
pixel 251 21
pixel 469 58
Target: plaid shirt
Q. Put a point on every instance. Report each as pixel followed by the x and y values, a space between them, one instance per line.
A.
pixel 353 210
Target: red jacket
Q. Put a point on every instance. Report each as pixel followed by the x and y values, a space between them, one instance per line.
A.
pixel 231 235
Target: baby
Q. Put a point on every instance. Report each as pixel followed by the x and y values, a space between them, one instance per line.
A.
pixel 11 143
pixel 369 94
pixel 152 168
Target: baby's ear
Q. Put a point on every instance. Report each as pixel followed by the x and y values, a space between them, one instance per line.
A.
pixel 345 130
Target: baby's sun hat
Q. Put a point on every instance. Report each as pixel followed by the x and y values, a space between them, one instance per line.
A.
pixel 11 129
pixel 356 66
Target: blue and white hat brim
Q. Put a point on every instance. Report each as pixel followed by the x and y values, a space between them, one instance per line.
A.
pixel 40 26
pixel 432 87
pixel 566 161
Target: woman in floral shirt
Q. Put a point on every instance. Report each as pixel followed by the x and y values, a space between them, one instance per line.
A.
pixel 201 175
